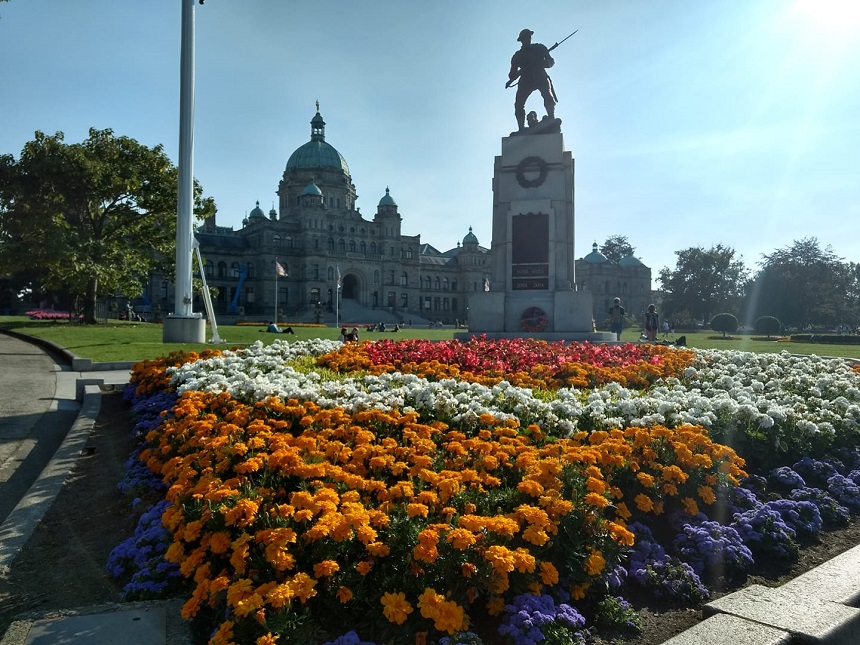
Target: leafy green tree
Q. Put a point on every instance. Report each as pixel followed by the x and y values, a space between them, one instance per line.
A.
pixel 703 281
pixel 803 285
pixel 725 322
pixel 768 325
pixel 616 247
pixel 93 217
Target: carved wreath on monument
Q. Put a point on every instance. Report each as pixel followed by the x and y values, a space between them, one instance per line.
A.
pixel 531 165
pixel 534 319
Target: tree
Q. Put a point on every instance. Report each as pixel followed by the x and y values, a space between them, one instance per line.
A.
pixel 703 281
pixel 724 322
pixel 804 285
pixel 768 325
pixel 616 247
pixel 92 217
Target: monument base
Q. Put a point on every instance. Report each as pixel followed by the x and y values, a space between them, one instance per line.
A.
pixel 556 314
pixel 594 337
pixel 184 330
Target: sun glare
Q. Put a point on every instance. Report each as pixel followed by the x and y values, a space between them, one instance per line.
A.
pixel 832 18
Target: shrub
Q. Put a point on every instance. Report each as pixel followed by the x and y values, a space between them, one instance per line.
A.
pixel 725 322
pixel 768 325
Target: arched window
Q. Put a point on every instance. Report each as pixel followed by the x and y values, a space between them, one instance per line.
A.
pixel 222 269
pixel 288 242
pixel 437 283
pixel 341 245
pixel 235 271
pixel 404 301
pixel 445 284
pixel 331 244
pixel 408 254
pixel 250 266
pixel 362 247
pixel 373 248
pixel 208 268
pixel 404 279
pixel 427 282
pixel 352 246
pixel 276 239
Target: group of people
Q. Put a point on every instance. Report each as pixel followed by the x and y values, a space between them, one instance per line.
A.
pixel 348 336
pixel 650 321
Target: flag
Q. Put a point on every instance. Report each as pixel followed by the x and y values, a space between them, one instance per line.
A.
pixel 280 269
pixel 338 277
pixel 486 284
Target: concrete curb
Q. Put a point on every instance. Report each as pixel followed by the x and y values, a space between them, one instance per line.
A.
pixel 819 606
pixel 22 521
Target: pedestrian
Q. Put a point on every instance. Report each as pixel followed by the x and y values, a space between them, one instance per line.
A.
pixel 342 338
pixel 652 323
pixel 353 335
pixel 616 318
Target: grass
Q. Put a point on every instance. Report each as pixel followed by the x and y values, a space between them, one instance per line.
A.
pixel 131 341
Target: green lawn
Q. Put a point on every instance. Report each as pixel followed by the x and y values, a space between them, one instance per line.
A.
pixel 129 341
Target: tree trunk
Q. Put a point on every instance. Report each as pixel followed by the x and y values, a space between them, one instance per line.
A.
pixel 90 302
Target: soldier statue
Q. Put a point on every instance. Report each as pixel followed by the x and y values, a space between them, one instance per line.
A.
pixel 529 65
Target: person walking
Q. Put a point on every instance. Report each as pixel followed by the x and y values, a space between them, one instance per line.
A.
pixel 616 318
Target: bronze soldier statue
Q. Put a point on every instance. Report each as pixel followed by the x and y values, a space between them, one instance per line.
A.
pixel 529 64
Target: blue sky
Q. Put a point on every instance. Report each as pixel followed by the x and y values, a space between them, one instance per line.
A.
pixel 691 123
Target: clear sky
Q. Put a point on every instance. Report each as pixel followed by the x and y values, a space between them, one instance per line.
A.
pixel 733 122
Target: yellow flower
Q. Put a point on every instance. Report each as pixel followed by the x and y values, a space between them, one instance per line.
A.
pixel 344 594
pixel 707 494
pixel 548 573
pixel 644 503
pixel 395 607
pixel 595 563
pixel 690 505
pixel 461 539
pixel 596 500
pixel 325 568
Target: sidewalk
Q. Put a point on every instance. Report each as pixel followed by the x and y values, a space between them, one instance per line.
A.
pixel 49 406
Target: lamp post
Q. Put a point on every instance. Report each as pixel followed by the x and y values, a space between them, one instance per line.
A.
pixel 183 325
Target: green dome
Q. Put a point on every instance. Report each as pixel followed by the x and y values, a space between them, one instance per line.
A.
pixel 595 257
pixel 630 261
pixel 470 238
pixel 257 212
pixel 312 189
pixel 316 153
pixel 387 199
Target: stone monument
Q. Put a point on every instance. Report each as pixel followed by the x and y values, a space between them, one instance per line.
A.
pixel 531 289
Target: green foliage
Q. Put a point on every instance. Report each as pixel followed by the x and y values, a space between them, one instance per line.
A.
pixel 704 280
pixel 616 247
pixel 90 218
pixel 768 325
pixel 724 322
pixel 805 285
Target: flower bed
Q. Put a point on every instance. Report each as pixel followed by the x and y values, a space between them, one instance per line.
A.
pixel 516 489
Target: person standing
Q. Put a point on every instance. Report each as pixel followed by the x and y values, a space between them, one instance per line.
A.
pixel 652 323
pixel 616 318
pixel 529 63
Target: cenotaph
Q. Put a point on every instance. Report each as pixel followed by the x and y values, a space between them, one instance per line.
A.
pixel 531 290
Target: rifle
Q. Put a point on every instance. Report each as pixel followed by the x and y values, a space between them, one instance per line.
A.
pixel 512 83
pixel 562 40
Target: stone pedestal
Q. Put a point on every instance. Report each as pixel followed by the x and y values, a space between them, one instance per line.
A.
pixel 532 281
pixel 179 329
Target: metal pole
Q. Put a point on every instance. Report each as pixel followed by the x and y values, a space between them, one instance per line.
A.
pixel 185 199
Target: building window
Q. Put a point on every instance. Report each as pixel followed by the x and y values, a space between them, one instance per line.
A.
pixel 404 279
pixel 249 295
pixel 373 248
pixel 453 304
pixel 315 296
pixel 436 303
pixel 316 272
pixel 391 299
pixel 250 266
pixel 362 247
pixel 235 271
pixel 427 283
pixel 330 244
pixel 341 245
pixel 276 239
pixel 404 301
pixel 208 268
pixel 376 277
pixel 391 277
pixel 453 285
pixel 288 242
pixel 408 254
pixel 222 269
pixel 437 283
pixel 352 246
pixel 445 284
pixel 426 303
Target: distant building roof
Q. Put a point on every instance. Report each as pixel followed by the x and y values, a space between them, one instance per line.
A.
pixel 595 257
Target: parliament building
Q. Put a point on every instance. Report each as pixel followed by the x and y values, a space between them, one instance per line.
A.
pixel 287 264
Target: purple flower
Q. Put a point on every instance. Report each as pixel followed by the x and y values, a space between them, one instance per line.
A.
pixel 528 616
pixel 715 548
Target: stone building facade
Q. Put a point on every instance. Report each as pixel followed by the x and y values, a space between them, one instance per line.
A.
pixel 320 239
pixel 628 279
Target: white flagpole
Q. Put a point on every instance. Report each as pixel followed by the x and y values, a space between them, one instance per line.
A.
pixel 275 319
